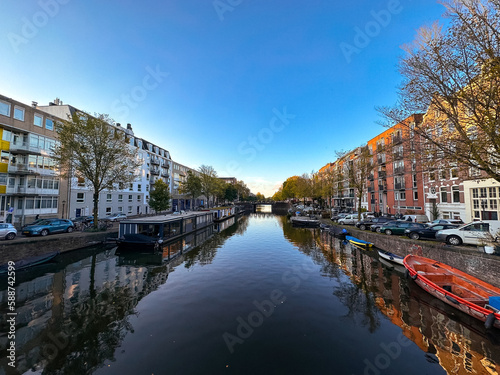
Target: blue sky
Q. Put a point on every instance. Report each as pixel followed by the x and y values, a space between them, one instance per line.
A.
pixel 260 90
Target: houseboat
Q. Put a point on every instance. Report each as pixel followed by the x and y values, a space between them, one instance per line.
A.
pixel 223 213
pixel 152 232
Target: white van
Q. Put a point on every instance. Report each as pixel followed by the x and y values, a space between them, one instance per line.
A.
pixel 475 233
pixel 416 218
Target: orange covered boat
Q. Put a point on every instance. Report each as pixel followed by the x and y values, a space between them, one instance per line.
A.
pixel 458 289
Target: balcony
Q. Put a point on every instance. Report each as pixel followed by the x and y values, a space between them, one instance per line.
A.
pixel 154 171
pixel 371 188
pixel 381 159
pixel 399 186
pixel 397 155
pixel 24 148
pixel 27 191
pixel 155 161
pixel 382 174
pixel 397 139
pixel 382 188
pixel 399 170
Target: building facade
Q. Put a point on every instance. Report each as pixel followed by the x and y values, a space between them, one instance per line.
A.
pixel 30 182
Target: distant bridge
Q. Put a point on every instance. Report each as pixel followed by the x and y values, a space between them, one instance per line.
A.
pixel 278 207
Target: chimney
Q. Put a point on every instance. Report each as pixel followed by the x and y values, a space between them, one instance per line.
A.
pixel 129 127
pixel 34 104
pixel 118 124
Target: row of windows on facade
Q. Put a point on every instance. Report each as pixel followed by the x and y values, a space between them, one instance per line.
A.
pixel 19 114
pixel 33 140
pixel 33 161
pixel 30 182
pixel 141 144
pixel 80 198
pixel 81 183
pixel 37 203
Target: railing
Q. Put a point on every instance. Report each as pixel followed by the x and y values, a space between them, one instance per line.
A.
pixel 155 161
pixel 397 155
pixel 382 174
pixel 397 139
pixel 382 187
pixel 25 147
pixel 399 170
pixel 381 159
pixel 399 186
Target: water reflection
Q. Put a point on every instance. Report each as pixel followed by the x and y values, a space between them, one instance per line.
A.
pixel 458 342
pixel 72 319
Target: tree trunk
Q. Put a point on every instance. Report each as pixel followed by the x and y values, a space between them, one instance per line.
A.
pixel 96 209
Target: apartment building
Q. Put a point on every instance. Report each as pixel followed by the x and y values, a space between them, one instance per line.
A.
pixel 131 200
pixel 30 182
pixel 396 185
pixel 183 201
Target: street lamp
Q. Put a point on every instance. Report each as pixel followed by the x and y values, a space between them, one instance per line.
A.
pixel 484 205
pixel 63 203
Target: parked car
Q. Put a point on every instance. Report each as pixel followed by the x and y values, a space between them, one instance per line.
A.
pixel 117 216
pixel 349 219
pixel 416 218
pixel 8 231
pixel 378 226
pixel 339 216
pixel 49 226
pixel 83 219
pixel 365 224
pixel 447 221
pixel 429 232
pixel 398 227
pixel 474 233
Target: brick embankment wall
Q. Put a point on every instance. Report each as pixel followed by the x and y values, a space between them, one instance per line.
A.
pixel 25 247
pixel 468 259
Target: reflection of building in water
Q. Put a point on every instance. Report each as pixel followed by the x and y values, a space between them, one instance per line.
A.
pixel 458 342
pixel 81 312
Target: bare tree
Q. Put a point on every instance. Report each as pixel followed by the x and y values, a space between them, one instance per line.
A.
pixel 209 182
pixel 454 76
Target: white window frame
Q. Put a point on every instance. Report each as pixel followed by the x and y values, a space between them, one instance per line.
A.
pixel 22 110
pixel 52 121
pixel 80 197
pixel 41 120
pixel 8 108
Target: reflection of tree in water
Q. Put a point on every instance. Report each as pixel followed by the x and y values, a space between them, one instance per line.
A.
pixel 303 238
pixel 205 253
pixel 80 341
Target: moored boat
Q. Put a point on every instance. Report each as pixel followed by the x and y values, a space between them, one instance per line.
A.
pixel 338 232
pixel 456 288
pixel 390 257
pixel 304 221
pixel 357 241
pixel 29 262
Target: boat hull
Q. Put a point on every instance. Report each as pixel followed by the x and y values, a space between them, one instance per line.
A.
pixel 391 257
pixel 454 287
pixel 357 241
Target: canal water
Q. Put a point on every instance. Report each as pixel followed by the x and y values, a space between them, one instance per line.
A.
pixel 258 297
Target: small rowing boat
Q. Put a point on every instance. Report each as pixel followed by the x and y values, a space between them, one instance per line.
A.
pixel 357 241
pixel 456 288
pixel 390 257
pixel 29 262
pixel 338 232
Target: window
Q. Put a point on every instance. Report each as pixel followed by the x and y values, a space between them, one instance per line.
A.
pixel 475 193
pixel 49 124
pixel 139 198
pixel 130 197
pixel 454 173
pixel 147 187
pixel 80 197
pixel 108 210
pixel 493 204
pixel 483 192
pixel 444 194
pixel 129 209
pixel 139 187
pixel 81 181
pixel 120 209
pixel 402 195
pixel 475 204
pixel 432 176
pixel 415 195
pixel 455 190
pixel 109 198
pixel 4 108
pixel 131 187
pixel 443 174
pixel 6 135
pixel 38 120
pixel 19 113
pixel 493 192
